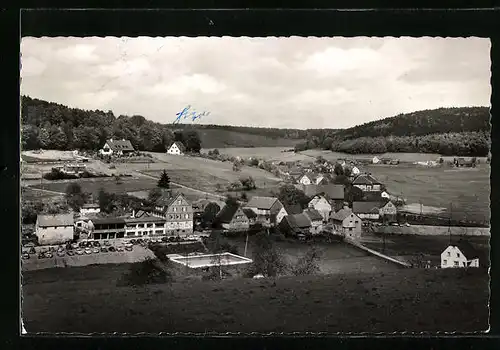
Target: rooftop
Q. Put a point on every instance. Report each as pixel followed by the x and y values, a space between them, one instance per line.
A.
pixel 261 202
pixel 55 220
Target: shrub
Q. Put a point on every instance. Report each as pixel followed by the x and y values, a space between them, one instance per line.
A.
pixel 146 272
pixel 57 174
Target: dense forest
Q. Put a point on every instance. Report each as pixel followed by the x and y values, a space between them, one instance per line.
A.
pixel 51 125
pixel 447 131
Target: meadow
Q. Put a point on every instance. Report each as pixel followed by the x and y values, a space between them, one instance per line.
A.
pixel 265 153
pixel 467 190
pixel 87 299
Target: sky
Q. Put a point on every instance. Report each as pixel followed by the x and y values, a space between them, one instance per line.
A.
pixel 286 82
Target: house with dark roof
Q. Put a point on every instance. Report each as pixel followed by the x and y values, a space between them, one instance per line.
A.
pixel 346 223
pixel 233 218
pixel 288 210
pixel 54 229
pixel 461 254
pixel 266 208
pixel 176 148
pixel 293 225
pixel 107 228
pixel 114 147
pixel 250 214
pixel 316 220
pixel 367 210
pixel 308 178
pixel 177 211
pixel 322 205
pixel 366 182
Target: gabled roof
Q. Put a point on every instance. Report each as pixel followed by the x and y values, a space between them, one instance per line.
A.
pixel 227 213
pixel 120 145
pixel 341 214
pixel 298 221
pixel 261 202
pixel 249 213
pixel 168 197
pixel 310 175
pixel 292 209
pixel 365 207
pixel 332 191
pixel 365 179
pixel 55 220
pixel 313 214
pixel 108 221
pixel 144 219
pixel 467 249
pixel 179 145
pixel 316 199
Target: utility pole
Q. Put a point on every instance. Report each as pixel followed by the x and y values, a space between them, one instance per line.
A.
pixel 246 245
pixel 449 222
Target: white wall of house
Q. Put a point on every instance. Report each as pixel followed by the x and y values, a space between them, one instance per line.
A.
pixel 355 171
pixel 304 180
pixel 370 216
pixel 106 150
pixel 319 179
pixel 281 214
pixel 174 150
pixel 316 227
pixel 385 195
pixel 90 210
pixel 54 234
pixel 322 206
pixel 453 257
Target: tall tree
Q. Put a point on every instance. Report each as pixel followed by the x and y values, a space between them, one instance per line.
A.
pixel 267 259
pixel 209 214
pixel 105 201
pixel 75 196
pixel 154 194
pixel 290 195
pixel 164 181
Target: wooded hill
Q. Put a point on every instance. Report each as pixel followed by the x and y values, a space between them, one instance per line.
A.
pixel 51 125
pixel 461 131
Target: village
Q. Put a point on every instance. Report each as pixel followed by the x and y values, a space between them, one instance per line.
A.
pixel 326 199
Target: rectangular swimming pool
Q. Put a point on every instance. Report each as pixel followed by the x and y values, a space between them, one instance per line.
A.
pixel 207 260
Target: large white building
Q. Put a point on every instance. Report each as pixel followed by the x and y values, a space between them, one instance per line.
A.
pixel 54 229
pixel 461 254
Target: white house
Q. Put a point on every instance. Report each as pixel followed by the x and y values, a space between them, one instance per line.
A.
pixel 90 208
pixel 346 223
pixel 375 160
pixel 355 171
pixel 116 147
pixel 318 179
pixel 54 229
pixel 322 205
pixel 460 255
pixel 384 194
pixel 176 148
pixel 307 179
pixel 367 183
pixel 266 209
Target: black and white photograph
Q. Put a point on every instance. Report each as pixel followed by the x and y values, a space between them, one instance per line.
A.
pixel 208 185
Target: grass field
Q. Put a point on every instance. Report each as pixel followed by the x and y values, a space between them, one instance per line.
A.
pixel 217 138
pixel 31 194
pixel 467 189
pixel 429 246
pixel 266 153
pixel 86 299
pixel 110 185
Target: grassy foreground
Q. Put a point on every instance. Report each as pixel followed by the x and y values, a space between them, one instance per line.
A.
pixel 87 300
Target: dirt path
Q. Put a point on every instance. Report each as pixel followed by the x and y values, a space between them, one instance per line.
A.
pixel 183 186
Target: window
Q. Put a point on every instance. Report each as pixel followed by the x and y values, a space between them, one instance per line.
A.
pixel 356 222
pixel 350 228
pixel 449 254
pixel 455 263
pixel 458 255
pixel 445 262
pixel 187 216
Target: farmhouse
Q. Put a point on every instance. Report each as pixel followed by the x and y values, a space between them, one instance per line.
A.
pixel 90 208
pixel 376 160
pixel 367 210
pixel 176 148
pixel 388 211
pixel 266 208
pixel 347 223
pixel 177 211
pixel 307 179
pixel 463 254
pixel 288 210
pixel 316 220
pixel 233 218
pixel 366 182
pixel 108 228
pixel 295 224
pixel 114 147
pixel 322 205
pixel 144 225
pixel 54 229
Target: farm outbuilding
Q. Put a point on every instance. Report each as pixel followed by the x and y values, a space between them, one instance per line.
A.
pixel 54 229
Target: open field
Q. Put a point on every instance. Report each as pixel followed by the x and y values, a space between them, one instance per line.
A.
pixel 86 299
pixel 32 194
pixel 426 230
pixel 266 153
pixel 218 138
pixel 109 184
pixel 137 254
pixel 335 257
pixel 429 246
pixel 467 189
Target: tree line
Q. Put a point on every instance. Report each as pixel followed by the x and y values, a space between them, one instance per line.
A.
pixel 447 131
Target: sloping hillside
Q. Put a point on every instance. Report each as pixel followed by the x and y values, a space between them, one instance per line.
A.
pixel 51 125
pixel 448 131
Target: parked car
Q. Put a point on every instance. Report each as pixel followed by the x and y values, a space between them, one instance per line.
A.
pixel 60 249
pixel 79 251
pixel 140 241
pixel 395 224
pixel 301 237
pixel 96 250
pixel 407 224
pixel 96 244
pixel 111 249
pixel 164 239
pixel 82 244
pixel 25 256
pixel 74 245
pixel 41 255
pixel 133 241
pixel 104 250
pixel 258 276
pixel 32 250
pixel 29 245
pixel 61 253
pixel 48 255
pixel 129 248
pixel 106 243
pixel 52 249
pixel 119 249
pixel 70 253
pixel 88 251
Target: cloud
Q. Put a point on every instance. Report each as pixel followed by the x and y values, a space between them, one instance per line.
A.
pixel 291 82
